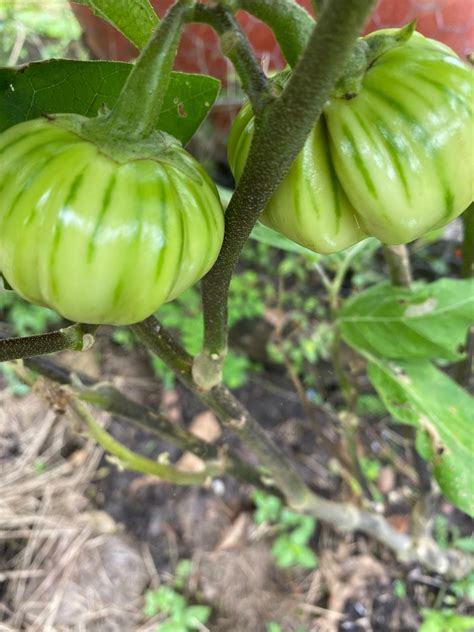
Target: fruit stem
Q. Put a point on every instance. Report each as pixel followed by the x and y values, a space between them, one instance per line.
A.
pixel 366 52
pixel 137 110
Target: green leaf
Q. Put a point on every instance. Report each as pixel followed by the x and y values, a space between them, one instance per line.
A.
pixel 165 600
pixel 464 587
pixel 133 18
pixel 419 394
pixel 195 616
pixel 445 621
pixel 399 588
pixel 83 87
pixel 270 237
pixel 171 626
pixel 429 321
pixel 268 507
pixel 289 553
pixel 465 544
pixel 307 559
pixel 182 571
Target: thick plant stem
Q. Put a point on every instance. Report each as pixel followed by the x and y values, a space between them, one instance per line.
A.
pixel 76 338
pixel 342 516
pixel 398 262
pixel 136 112
pixel 235 45
pixel 290 22
pixel 277 141
pixel 108 398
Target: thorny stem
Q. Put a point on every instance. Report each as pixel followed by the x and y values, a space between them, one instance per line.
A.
pixel 290 22
pixel 279 137
pixel 76 338
pixel 235 45
pixel 108 398
pixel 342 516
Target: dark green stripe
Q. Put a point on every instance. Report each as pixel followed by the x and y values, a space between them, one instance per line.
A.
pixel 417 129
pixel 176 207
pixel 164 226
pixel 27 134
pixel 391 145
pixel 412 90
pixel 334 180
pixel 449 202
pixel 37 171
pixel 102 213
pixel 209 187
pixel 359 161
pixel 420 134
pixel 35 168
pixel 444 90
pixel 134 248
pixel 200 199
pixel 58 227
pixel 118 291
pixel 138 219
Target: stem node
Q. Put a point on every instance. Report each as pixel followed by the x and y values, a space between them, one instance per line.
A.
pixel 207 370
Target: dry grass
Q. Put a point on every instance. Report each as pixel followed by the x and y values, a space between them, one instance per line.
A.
pixel 63 566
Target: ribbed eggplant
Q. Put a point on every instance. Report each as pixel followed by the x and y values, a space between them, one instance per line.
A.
pixel 393 159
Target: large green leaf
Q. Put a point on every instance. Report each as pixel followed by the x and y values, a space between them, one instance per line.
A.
pixel 428 321
pixel 419 394
pixel 133 18
pixel 83 87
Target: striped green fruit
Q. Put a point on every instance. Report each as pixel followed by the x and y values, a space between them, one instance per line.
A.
pixel 394 161
pixel 101 241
